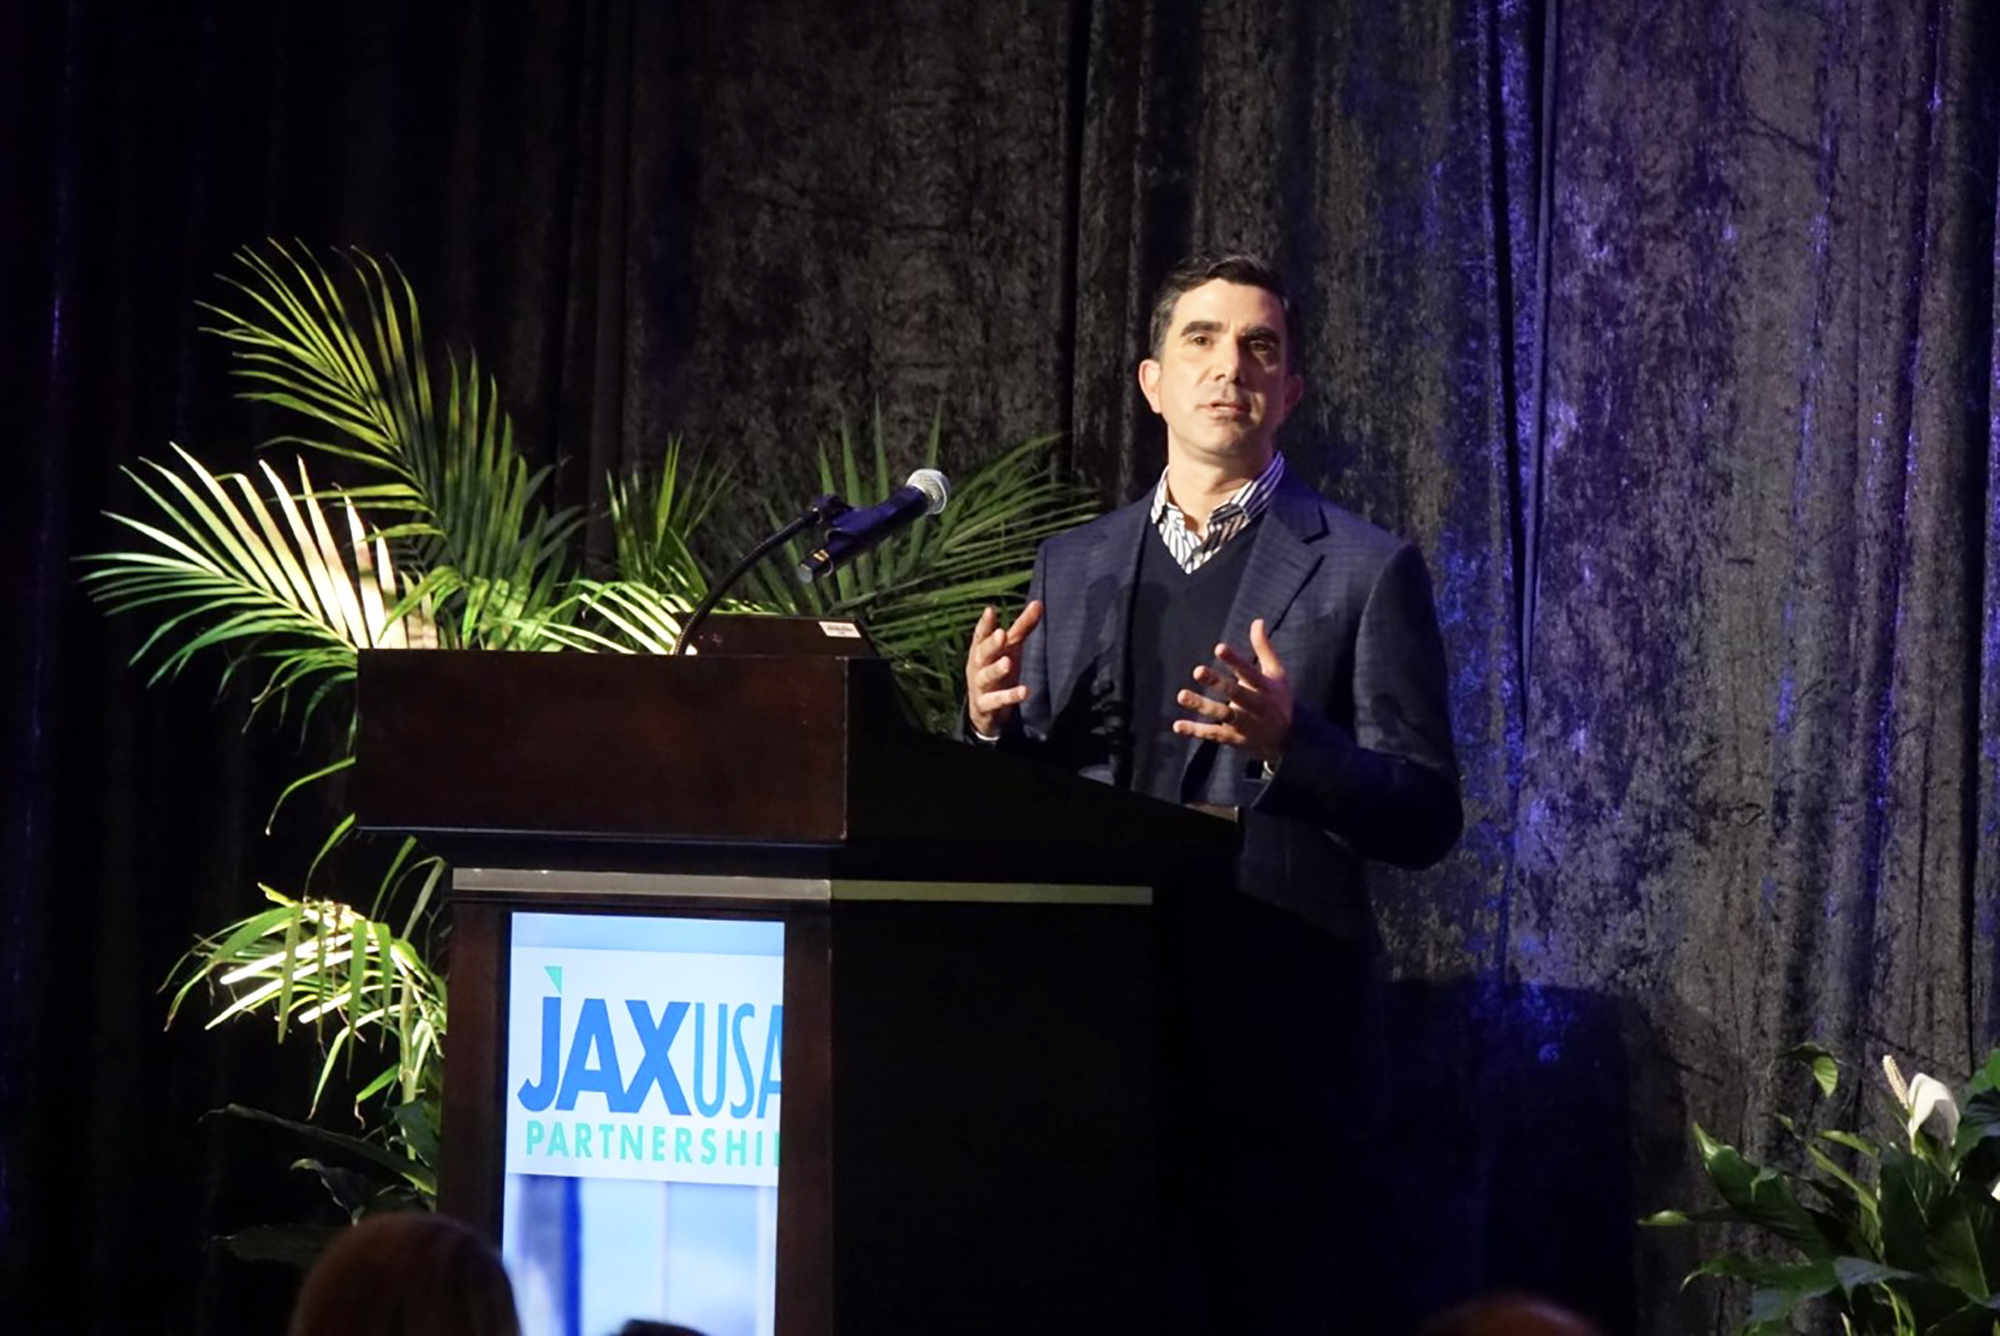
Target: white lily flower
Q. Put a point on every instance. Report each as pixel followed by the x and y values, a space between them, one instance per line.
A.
pixel 1933 1110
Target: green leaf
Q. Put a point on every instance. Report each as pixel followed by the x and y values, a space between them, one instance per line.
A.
pixel 416 1122
pixel 1856 1273
pixel 313 959
pixel 1956 1227
pixel 1979 1122
pixel 1733 1267
pixel 433 870
pixel 1975 1319
pixel 1987 1078
pixel 1779 1288
pixel 334 838
pixel 1760 1197
pixel 1908 1190
pixel 1854 1201
pixel 381 1081
pixel 1680 1219
pixel 210 957
pixel 350 1190
pixel 220 572
pixel 297 1246
pixel 1851 1141
pixel 1929 1306
pixel 655 517
pixel 1820 1061
pixel 1777 1296
pixel 409 1170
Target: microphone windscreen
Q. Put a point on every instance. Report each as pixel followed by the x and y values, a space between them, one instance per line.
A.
pixel 935 487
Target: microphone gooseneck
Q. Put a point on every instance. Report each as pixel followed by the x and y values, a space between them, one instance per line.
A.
pixel 819 510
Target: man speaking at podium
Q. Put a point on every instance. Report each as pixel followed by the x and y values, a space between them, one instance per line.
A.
pixel 1234 640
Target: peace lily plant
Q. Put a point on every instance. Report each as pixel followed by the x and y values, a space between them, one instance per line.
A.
pixel 1900 1237
pixel 440 537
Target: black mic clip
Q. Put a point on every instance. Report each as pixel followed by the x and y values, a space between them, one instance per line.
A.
pixel 823 510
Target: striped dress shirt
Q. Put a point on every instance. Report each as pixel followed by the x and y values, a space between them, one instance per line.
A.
pixel 1227 520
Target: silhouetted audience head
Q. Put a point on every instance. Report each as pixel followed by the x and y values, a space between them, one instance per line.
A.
pixel 1509 1315
pixel 640 1326
pixel 412 1274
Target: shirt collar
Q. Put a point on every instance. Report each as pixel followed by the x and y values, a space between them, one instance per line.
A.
pixel 1250 499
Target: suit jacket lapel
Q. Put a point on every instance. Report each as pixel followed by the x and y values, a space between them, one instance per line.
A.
pixel 1110 566
pixel 1281 561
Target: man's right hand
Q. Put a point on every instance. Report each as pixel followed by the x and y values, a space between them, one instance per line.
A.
pixel 993 669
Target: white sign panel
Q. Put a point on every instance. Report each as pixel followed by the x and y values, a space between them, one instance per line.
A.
pixel 656 1065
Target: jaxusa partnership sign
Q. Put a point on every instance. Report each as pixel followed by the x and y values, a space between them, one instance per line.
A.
pixel 647 1064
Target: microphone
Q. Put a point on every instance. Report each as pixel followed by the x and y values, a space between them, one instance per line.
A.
pixel 856 531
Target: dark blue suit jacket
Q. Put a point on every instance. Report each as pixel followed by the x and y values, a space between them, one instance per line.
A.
pixel 1368 772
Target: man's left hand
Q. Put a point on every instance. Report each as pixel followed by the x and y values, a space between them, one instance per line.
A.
pixel 1249 707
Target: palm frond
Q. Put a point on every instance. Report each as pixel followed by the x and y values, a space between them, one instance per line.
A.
pixel 655 517
pixel 632 617
pixel 412 1167
pixel 297 349
pixel 355 369
pixel 306 961
pixel 260 578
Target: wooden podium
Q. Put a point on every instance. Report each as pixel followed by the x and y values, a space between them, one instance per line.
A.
pixel 974 1019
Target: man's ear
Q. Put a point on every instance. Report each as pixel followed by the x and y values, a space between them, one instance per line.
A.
pixel 1295 390
pixel 1149 382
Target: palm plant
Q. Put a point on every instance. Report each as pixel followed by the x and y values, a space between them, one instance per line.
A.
pixel 446 542
pixel 310 960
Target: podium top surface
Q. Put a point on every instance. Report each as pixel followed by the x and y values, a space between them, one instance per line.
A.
pixel 727 764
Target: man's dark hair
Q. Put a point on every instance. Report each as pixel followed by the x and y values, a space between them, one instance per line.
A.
pixel 1252 271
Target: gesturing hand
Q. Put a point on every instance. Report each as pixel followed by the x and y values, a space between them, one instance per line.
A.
pixel 1251 708
pixel 993 669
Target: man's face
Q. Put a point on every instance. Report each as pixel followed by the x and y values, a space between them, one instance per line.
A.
pixel 1220 380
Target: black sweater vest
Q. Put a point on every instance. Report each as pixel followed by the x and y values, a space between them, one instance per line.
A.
pixel 1177 619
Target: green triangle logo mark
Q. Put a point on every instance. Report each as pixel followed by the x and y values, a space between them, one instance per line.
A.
pixel 555 975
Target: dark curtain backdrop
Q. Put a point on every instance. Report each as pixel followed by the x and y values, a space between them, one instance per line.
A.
pixel 1665 328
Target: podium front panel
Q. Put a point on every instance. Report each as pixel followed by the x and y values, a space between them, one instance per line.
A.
pixel 643 1080
pixel 657 1131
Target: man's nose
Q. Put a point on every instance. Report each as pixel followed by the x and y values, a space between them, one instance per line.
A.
pixel 1228 361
